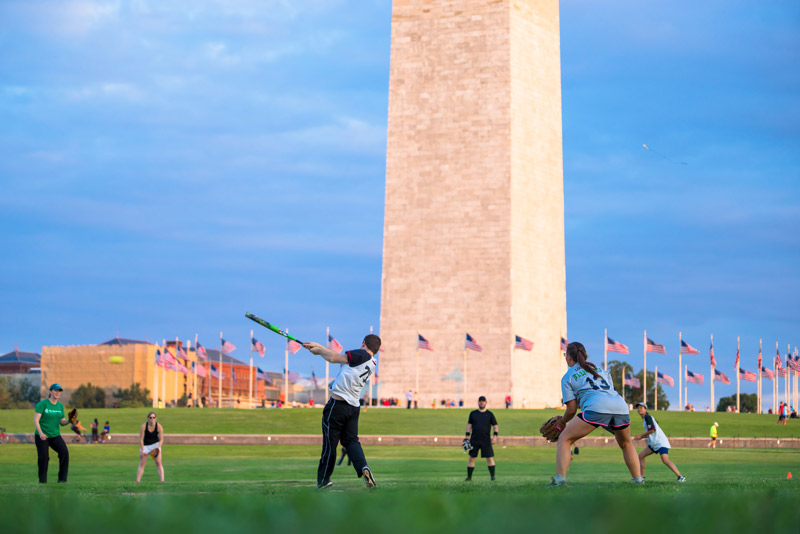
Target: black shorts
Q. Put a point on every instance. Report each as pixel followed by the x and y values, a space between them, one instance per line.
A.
pixel 484 446
pixel 610 422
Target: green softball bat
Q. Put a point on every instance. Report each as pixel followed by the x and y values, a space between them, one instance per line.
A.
pixel 270 326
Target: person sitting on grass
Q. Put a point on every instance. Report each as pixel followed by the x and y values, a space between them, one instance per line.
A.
pixel 657 441
pixel 592 388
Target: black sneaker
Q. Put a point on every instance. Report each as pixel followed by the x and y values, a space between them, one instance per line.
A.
pixel 492 477
pixel 324 485
pixel 369 480
pixel 468 479
pixel 554 484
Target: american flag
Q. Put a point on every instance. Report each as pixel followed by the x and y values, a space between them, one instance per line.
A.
pixel 227 347
pixel 261 375
pixel 781 372
pixel 216 374
pixel 333 344
pixel 564 344
pixel 522 343
pixel 664 379
pixel 169 359
pixel 423 343
pixel 202 372
pixel 711 353
pixel 292 376
pixel 470 343
pixel 615 346
pixel 767 373
pixel 201 351
pixel 258 347
pixel 632 381
pixel 760 360
pixel 792 363
pixel 293 346
pixel 652 346
pixel 688 349
pixel 181 352
pixel 778 361
pixel 314 378
pixel 694 378
pixel 719 376
pixel 736 363
pixel 159 359
pixel 747 376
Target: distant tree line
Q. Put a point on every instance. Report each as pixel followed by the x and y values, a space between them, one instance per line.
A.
pixel 17 393
pixel 633 395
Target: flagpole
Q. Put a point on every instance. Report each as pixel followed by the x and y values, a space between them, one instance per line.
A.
pixel 760 390
pixel 686 384
pixel 711 364
pixel 192 375
pixel 416 383
pixel 219 378
pixel 250 382
pixel 796 379
pixel 465 376
pixel 286 374
pixel 176 372
pixel 680 374
pixel 775 379
pixel 155 382
pixel 196 364
pixel 644 371
pixel 232 377
pixel 164 375
pixel 327 380
pixel 788 378
pixel 737 374
pixel 655 394
pixel 605 349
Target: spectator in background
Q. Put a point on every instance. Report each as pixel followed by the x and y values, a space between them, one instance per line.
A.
pixel 408 400
pixel 508 402
pixel 94 428
pixel 713 435
pixel 106 432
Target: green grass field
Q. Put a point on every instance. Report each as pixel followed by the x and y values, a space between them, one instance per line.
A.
pixel 421 489
pixel 389 421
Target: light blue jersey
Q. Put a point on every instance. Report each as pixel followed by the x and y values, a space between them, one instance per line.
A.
pixel 592 394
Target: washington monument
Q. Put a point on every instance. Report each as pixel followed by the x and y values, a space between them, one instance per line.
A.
pixel 474 222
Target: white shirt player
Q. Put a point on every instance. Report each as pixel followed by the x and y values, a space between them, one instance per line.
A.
pixel 657 439
pixel 354 376
pixel 592 394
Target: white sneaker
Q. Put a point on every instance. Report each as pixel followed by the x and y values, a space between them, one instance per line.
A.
pixel 369 480
pixel 681 479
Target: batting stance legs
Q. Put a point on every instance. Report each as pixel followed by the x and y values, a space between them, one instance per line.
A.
pixel 339 423
pixel 57 444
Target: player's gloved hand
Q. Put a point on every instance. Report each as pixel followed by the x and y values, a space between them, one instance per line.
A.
pixel 73 415
pixel 466 445
pixel 551 429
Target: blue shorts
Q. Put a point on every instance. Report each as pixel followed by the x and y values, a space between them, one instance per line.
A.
pixel 610 422
pixel 662 450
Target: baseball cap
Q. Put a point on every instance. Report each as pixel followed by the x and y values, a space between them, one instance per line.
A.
pixel 716 424
pixel 481 398
pixel 643 405
pixel 56 386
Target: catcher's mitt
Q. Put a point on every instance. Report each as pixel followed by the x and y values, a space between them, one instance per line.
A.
pixel 73 415
pixel 466 445
pixel 551 429
pixel 154 452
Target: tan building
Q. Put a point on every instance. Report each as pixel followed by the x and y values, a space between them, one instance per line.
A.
pixel 120 363
pixel 474 220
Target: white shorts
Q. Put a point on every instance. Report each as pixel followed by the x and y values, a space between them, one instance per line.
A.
pixel 147 449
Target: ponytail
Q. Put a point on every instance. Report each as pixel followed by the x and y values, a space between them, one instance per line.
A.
pixel 577 353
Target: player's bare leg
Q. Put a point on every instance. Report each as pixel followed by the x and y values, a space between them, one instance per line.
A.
pixel 628 451
pixel 160 466
pixel 665 459
pixel 142 462
pixel 642 454
pixel 575 430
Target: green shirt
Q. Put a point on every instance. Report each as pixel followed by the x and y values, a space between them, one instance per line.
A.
pixel 52 414
pixel 713 431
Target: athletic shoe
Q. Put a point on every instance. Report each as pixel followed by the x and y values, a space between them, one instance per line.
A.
pixel 468 479
pixel 492 477
pixel 325 485
pixel 681 479
pixel 369 480
pixel 638 482
pixel 554 484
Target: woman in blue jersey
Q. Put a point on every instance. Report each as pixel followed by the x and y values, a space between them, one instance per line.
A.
pixel 591 388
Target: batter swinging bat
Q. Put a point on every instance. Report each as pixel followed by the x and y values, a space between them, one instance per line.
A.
pixel 270 326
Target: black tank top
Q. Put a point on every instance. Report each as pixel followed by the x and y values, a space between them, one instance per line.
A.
pixel 150 437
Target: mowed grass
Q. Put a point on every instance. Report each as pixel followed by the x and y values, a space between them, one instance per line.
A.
pixel 393 421
pixel 421 489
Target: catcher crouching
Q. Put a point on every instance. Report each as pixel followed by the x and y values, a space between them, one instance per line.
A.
pixel 592 389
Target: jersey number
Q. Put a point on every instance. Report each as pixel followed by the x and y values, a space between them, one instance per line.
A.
pixel 365 376
pixel 603 385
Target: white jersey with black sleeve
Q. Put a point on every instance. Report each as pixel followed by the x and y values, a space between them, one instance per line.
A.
pixel 354 376
pixel 593 394
pixel 657 439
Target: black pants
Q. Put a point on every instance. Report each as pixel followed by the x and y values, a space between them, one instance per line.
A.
pixel 340 423
pixel 58 445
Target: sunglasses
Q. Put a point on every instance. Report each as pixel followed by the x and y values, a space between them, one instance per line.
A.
pixel 151 417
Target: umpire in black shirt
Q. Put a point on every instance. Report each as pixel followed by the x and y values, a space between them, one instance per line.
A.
pixel 480 426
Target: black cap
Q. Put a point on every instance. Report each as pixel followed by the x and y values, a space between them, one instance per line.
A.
pixel 481 398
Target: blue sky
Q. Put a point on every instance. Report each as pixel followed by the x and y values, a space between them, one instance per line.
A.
pixel 166 166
